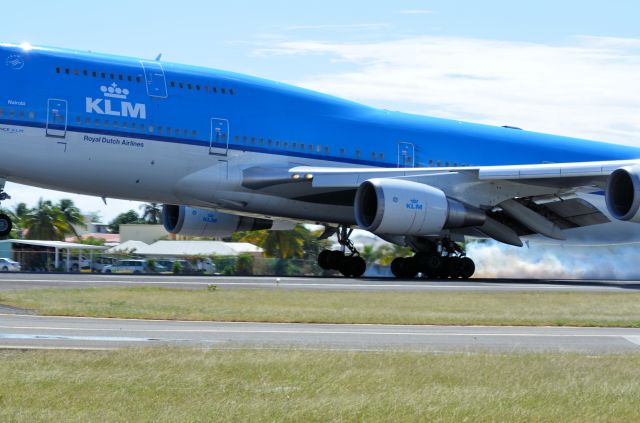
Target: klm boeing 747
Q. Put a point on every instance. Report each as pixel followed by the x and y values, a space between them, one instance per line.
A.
pixel 226 152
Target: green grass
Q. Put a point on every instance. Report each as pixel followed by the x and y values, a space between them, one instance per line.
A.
pixel 519 308
pixel 184 385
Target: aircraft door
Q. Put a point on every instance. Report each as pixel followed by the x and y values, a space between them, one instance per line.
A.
pixel 57 118
pixel 219 142
pixel 406 154
pixel 155 79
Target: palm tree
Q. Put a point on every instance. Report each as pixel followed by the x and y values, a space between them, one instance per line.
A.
pixel 281 244
pixel 151 212
pixel 45 221
pixel 71 214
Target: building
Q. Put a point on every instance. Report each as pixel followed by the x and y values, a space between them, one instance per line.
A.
pixel 185 249
pixel 48 255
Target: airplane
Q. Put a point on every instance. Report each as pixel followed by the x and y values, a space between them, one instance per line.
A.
pixel 226 152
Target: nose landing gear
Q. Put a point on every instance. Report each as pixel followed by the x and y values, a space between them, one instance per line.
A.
pixel 5 221
pixel 349 264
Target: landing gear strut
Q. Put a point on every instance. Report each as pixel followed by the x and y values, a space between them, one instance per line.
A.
pixel 349 264
pixel 5 221
pixel 444 259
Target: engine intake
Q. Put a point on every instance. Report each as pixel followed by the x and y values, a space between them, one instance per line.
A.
pixel 623 194
pixel 393 206
pixel 188 221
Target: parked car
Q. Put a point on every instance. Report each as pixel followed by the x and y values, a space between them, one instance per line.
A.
pixel 132 266
pixel 75 264
pixel 100 262
pixel 7 265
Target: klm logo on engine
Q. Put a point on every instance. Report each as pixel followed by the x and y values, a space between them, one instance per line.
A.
pixel 210 218
pixel 114 103
pixel 414 204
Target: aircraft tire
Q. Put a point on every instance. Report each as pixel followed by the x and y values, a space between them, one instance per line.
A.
pixel 353 267
pixel 323 259
pixel 467 267
pixel 5 225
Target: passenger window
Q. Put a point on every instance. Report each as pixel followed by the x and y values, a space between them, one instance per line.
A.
pixel 94 74
pixel 342 151
pixel 326 149
pixel 185 132
pixel 177 131
pixel 133 125
pixel 85 72
pixel 318 148
pixel 215 90
pixel 103 75
pixel 76 72
pixel 21 114
pixel 124 124
pixel 150 128
pixel 129 78
pixel 32 115
pixel 78 119
pixel 381 156
pixel 197 87
pixel 311 148
pixel 115 123
pixel 97 122
pixel 357 153
pixel 231 91
pixel 223 90
pixel 181 85
pixel 112 76
pixel 189 85
pixel 206 88
pixel 168 131
pixel 270 142
pixel 57 70
pixel 194 133
pixel 120 77
pixel 237 138
pixel 253 140
pixel 173 84
pixel 67 71
pixel 142 126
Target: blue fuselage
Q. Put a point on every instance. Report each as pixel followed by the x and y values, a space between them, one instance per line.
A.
pixel 65 91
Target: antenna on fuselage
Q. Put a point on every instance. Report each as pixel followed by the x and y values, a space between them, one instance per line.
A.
pixel 158 58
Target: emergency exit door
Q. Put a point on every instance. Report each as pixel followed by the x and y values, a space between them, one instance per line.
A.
pixel 219 142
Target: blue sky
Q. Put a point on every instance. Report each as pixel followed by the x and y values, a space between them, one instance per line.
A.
pixel 569 67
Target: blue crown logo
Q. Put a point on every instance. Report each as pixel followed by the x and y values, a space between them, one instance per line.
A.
pixel 113 91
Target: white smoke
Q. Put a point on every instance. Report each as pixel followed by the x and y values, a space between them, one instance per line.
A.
pixel 494 260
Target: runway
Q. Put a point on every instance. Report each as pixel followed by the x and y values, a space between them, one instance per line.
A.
pixel 23 331
pixel 35 280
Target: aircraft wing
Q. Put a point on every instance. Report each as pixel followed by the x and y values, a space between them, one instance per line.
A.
pixel 567 175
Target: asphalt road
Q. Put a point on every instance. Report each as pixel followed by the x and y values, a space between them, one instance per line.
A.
pixel 23 331
pixel 33 280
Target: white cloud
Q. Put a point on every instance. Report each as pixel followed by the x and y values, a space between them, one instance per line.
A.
pixel 586 88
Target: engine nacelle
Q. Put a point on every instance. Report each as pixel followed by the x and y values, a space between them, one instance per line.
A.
pixel 188 221
pixel 394 206
pixel 623 194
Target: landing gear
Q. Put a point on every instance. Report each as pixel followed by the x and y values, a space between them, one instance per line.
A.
pixel 5 221
pixel 441 260
pixel 349 264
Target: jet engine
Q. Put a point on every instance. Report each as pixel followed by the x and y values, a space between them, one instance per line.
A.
pixel 394 206
pixel 188 221
pixel 623 194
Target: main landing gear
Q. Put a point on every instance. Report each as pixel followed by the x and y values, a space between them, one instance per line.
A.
pixel 446 259
pixel 5 221
pixel 349 264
